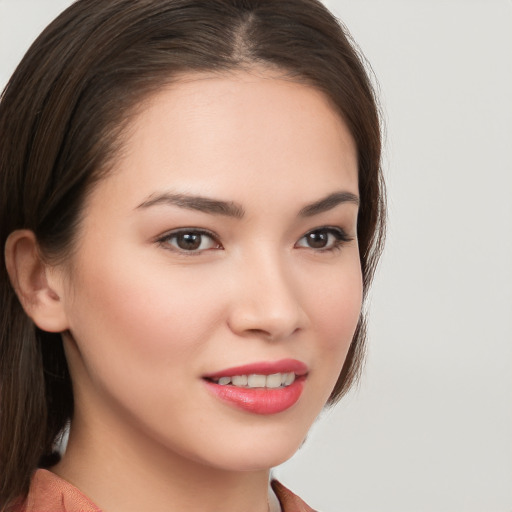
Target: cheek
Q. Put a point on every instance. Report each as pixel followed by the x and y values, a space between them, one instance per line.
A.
pixel 127 315
pixel 337 305
pixel 335 309
pixel 141 335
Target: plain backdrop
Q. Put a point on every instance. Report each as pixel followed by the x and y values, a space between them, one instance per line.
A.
pixel 430 426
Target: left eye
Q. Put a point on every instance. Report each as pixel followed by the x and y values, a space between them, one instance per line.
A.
pixel 323 239
pixel 190 241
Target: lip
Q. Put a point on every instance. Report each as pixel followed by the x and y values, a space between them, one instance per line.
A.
pixel 260 400
pixel 262 368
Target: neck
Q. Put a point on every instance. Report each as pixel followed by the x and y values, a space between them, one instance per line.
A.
pixel 123 470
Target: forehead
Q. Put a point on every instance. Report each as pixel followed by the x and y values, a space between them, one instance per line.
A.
pixel 233 134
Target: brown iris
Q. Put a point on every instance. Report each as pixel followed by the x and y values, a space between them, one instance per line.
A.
pixel 317 239
pixel 188 241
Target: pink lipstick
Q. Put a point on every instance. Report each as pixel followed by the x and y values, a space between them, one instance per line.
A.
pixel 260 388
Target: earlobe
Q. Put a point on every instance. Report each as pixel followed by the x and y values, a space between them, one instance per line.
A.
pixel 37 288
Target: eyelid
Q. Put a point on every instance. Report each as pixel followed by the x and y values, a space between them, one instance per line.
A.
pixel 342 237
pixel 165 237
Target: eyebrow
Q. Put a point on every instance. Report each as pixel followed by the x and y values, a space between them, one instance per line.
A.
pixel 199 203
pixel 328 203
pixel 232 209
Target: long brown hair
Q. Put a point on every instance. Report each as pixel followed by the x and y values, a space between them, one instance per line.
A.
pixel 61 117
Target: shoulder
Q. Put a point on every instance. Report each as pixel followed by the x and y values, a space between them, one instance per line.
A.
pixel 288 500
pixel 49 493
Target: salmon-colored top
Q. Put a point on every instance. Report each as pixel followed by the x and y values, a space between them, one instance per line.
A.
pixel 50 493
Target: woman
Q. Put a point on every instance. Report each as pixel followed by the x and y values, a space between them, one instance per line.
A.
pixel 192 211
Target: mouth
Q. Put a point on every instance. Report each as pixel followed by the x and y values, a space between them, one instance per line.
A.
pixel 253 381
pixel 260 388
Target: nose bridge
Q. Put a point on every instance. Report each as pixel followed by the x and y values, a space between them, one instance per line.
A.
pixel 267 298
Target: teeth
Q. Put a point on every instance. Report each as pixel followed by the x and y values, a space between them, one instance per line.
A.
pixel 275 380
pixel 290 377
pixel 256 381
pixel 239 380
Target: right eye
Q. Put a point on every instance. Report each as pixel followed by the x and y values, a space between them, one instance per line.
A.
pixel 191 241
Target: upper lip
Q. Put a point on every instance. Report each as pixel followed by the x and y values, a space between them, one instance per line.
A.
pixel 262 368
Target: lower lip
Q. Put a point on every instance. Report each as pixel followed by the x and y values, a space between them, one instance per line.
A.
pixel 260 400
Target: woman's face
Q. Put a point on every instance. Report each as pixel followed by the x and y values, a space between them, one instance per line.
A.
pixel 225 236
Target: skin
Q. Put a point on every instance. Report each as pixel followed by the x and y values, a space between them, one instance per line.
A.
pixel 145 320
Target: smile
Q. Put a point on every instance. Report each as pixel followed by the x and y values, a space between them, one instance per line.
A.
pixel 260 388
pixel 274 381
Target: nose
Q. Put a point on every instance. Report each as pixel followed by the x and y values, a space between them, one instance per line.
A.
pixel 267 300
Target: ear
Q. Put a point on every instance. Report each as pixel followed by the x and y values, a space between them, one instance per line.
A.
pixel 37 285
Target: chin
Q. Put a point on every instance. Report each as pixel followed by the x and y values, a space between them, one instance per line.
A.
pixel 256 457
pixel 258 448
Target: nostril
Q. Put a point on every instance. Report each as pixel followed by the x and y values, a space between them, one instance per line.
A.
pixel 262 333
pixel 272 335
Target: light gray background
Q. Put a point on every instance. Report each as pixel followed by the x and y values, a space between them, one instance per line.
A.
pixel 430 427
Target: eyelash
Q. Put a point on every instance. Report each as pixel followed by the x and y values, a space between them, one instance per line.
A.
pixel 340 239
pixel 165 240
